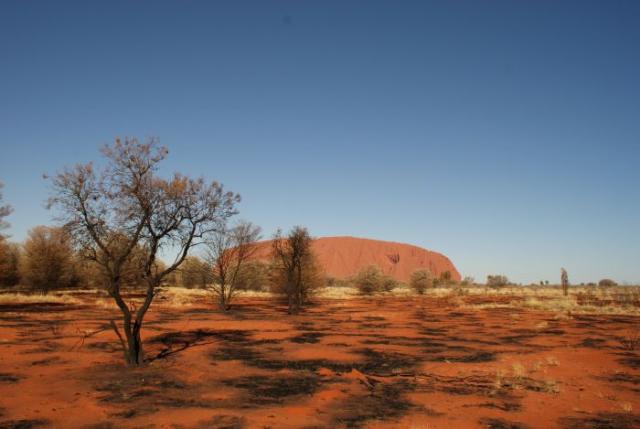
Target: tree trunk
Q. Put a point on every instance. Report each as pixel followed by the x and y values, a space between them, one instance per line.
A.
pixel 135 355
pixel 290 297
pixel 223 301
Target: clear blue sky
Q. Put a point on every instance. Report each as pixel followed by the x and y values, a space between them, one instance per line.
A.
pixel 504 134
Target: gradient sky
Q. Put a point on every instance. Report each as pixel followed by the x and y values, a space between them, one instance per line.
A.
pixel 505 135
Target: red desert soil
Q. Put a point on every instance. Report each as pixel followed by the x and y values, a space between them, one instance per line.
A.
pixel 374 363
pixel 342 257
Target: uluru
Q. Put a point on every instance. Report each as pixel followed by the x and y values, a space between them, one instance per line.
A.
pixel 343 257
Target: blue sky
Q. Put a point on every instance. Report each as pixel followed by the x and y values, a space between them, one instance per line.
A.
pixel 504 134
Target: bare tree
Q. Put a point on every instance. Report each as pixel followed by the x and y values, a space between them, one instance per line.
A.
pixel 564 280
pixel 296 272
pixel 229 250
pixel 126 206
pixel 48 261
pixel 5 210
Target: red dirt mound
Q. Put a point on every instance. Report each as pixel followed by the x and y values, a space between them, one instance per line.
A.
pixel 342 257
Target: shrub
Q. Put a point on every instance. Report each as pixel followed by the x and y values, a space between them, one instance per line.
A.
pixel 253 276
pixel 467 281
pixel 370 280
pixel 421 280
pixel 48 261
pixel 295 272
pixel 444 279
pixel 9 264
pixel 607 283
pixel 497 280
pixel 389 284
pixel 194 273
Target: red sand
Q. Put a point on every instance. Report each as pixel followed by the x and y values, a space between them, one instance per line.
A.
pixel 370 363
pixel 342 257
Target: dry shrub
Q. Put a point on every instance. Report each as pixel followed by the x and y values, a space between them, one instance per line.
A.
pixel 370 280
pixel 295 272
pixel 421 280
pixel 311 281
pixel 467 281
pixel 194 273
pixel 9 264
pixel 444 279
pixel 389 284
pixel 607 283
pixel 497 280
pixel 48 261
pixel 253 276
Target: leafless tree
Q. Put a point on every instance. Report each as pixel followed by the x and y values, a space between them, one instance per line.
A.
pixel 5 210
pixel 127 206
pixel 229 250
pixel 295 269
pixel 564 281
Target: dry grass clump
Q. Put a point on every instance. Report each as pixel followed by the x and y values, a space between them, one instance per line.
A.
pixel 518 378
pixel 23 298
pixel 620 300
pixel 183 297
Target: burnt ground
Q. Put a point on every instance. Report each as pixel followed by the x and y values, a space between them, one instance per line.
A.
pixel 397 362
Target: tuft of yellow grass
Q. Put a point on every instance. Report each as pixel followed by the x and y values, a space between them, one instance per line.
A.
pixel 23 298
pixel 621 300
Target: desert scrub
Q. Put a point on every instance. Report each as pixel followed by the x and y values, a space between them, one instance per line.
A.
pixel 370 280
pixel 22 298
pixel 420 281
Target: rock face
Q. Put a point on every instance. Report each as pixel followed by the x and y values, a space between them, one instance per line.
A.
pixel 343 257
